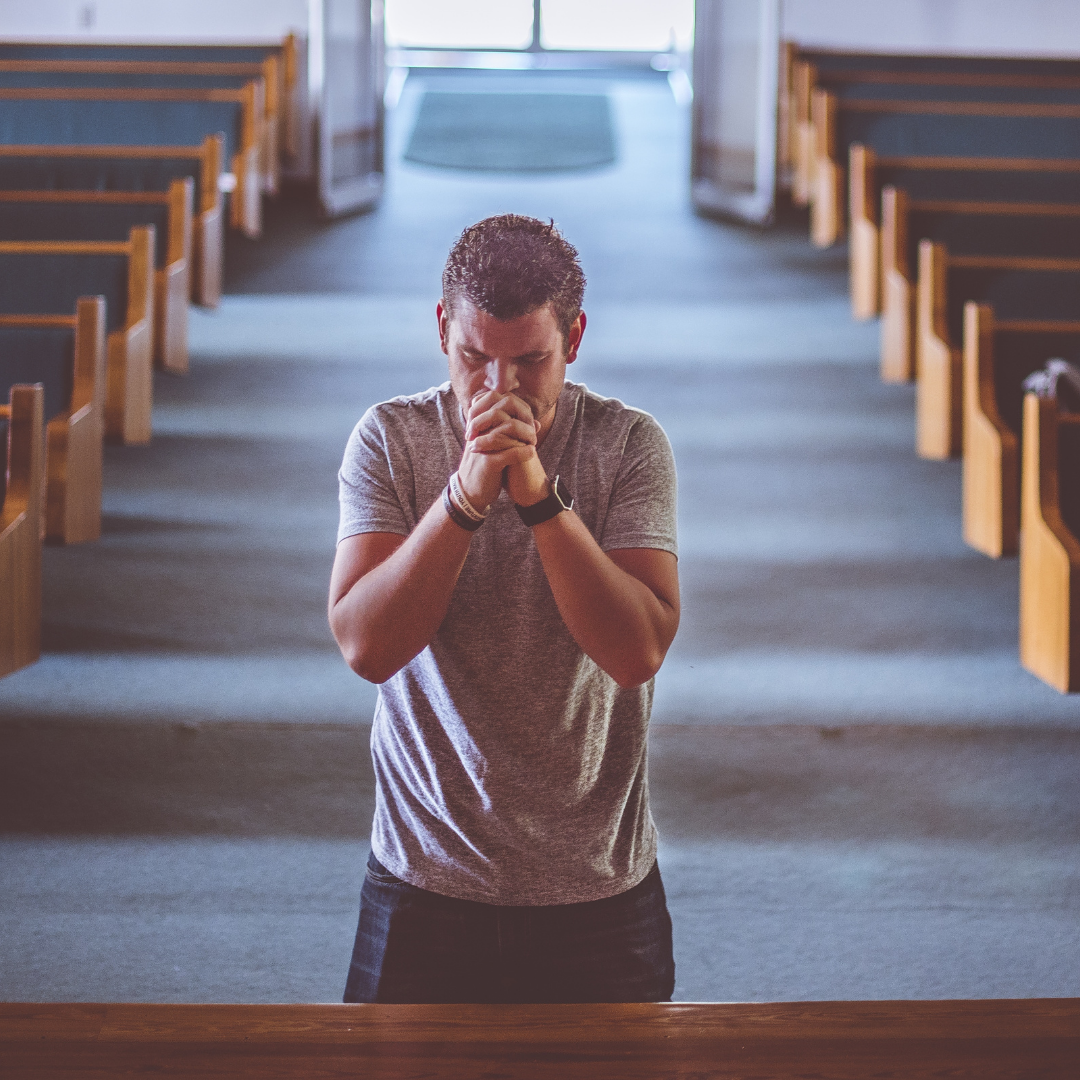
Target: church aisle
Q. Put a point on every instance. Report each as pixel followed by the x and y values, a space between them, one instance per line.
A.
pixel 861 793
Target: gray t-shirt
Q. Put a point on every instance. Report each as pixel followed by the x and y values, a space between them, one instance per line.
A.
pixel 510 768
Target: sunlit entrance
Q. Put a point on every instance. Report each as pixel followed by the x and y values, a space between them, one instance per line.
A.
pixel 541 25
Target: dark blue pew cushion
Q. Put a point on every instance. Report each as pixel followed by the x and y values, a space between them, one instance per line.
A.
pixel 118 123
pixel 84 221
pixel 51 284
pixel 902 134
pixel 1036 236
pixel 983 185
pixel 122 80
pixel 1013 294
pixel 1016 356
pixel 97 173
pixel 31 354
pixel 984 65
pixel 1069 474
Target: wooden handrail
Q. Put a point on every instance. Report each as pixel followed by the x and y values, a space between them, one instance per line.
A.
pixel 944 78
pixel 151 198
pixel 65 247
pixel 980 164
pixel 105 93
pixel 1011 262
pixel 999 209
pixel 37 320
pixel 136 67
pixel 1011 1040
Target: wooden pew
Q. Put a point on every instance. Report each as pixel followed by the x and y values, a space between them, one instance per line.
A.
pixel 20 529
pixel 66 354
pixel 279 64
pixel 953 177
pixel 842 1040
pixel 1050 543
pixel 1021 130
pixel 211 73
pixel 135 168
pixel 105 117
pixel 966 227
pixel 88 74
pixel 877 74
pixel 110 215
pixel 1016 287
pixel 998 356
pixel 49 277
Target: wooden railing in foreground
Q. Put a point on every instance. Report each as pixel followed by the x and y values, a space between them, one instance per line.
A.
pixel 846 1040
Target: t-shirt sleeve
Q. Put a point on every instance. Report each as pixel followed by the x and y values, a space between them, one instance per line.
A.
pixel 642 510
pixel 367 495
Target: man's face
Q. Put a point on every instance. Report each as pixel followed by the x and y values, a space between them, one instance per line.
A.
pixel 526 356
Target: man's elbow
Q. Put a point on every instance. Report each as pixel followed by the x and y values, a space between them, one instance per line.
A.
pixel 366 662
pixel 635 670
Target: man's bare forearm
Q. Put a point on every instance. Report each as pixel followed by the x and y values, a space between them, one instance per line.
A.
pixel 392 612
pixel 618 620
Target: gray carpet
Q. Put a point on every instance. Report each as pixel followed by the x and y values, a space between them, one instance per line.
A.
pixel 512 132
pixel 859 791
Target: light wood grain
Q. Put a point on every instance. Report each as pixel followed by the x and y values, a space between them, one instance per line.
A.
pixel 991 479
pixel 938 412
pixel 898 290
pixel 21 528
pixel 172 284
pixel 1049 557
pixel 864 252
pixel 828 217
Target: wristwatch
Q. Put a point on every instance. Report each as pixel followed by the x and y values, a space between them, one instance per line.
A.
pixel 559 500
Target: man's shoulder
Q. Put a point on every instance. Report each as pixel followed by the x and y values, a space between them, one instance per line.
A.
pixel 398 416
pixel 602 417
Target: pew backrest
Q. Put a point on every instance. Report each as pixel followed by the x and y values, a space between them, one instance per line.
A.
pixel 105 117
pixel 116 168
pixel 102 215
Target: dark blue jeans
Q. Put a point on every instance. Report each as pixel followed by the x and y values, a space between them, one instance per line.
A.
pixel 419 947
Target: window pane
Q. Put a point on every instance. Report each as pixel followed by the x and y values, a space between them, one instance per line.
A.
pixel 646 25
pixel 459 24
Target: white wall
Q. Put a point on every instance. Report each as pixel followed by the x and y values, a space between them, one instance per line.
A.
pixel 988 27
pixel 158 20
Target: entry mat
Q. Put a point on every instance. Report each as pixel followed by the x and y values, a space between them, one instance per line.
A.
pixel 512 132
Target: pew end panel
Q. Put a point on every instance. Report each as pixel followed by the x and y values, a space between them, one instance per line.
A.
pixel 74 441
pixel 172 284
pixel 864 253
pixel 828 218
pixel 130 383
pixel 938 416
pixel 208 232
pixel 21 525
pixel 898 322
pixel 1049 554
pixel 991 478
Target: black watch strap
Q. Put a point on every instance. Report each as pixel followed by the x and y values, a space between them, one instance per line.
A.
pixel 559 500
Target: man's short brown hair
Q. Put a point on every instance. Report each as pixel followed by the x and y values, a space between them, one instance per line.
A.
pixel 511 265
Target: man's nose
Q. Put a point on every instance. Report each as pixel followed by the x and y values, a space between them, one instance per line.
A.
pixel 502 376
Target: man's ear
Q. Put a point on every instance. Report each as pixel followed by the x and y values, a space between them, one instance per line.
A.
pixel 573 338
pixel 444 326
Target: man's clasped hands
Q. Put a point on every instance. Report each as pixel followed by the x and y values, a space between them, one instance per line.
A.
pixel 500 451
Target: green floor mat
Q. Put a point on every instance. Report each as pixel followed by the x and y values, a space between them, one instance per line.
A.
pixel 512 132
